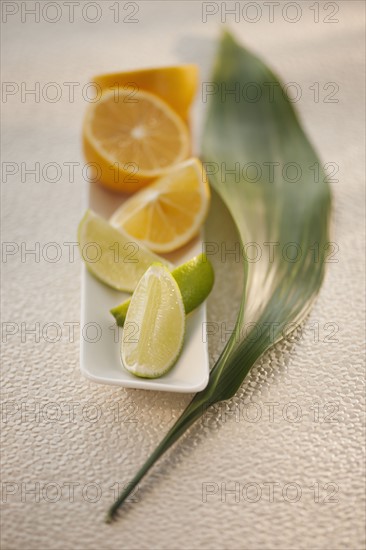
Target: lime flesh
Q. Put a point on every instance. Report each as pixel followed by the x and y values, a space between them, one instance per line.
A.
pixel 111 255
pixel 157 319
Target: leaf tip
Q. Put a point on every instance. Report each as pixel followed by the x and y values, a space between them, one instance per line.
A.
pixel 109 518
pixel 227 35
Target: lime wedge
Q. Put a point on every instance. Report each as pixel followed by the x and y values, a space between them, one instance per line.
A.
pixel 157 320
pixel 115 258
pixel 195 279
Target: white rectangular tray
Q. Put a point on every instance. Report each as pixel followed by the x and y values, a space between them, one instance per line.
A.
pixel 100 338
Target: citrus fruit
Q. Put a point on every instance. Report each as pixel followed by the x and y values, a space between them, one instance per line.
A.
pixel 131 141
pixel 195 279
pixel 177 85
pixel 113 257
pixel 169 212
pixel 157 312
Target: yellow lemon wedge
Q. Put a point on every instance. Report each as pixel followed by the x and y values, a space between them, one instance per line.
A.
pixel 168 213
pixel 131 141
pixel 177 85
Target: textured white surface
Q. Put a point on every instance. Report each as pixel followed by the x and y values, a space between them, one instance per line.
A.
pixel 44 442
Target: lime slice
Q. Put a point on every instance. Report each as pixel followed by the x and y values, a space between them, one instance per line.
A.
pixel 195 279
pixel 157 319
pixel 115 258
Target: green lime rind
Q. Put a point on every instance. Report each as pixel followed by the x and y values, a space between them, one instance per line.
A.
pixel 119 312
pixel 195 280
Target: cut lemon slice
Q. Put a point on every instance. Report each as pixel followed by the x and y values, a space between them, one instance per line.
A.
pixel 170 211
pixel 177 85
pixel 132 140
pixel 111 255
pixel 156 315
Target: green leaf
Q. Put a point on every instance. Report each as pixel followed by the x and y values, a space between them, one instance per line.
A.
pixel 279 194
